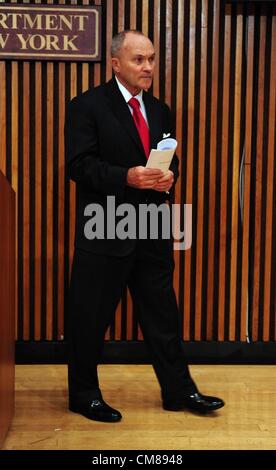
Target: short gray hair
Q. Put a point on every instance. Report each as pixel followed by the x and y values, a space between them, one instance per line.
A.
pixel 118 40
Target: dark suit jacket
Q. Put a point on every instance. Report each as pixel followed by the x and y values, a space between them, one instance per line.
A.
pixel 101 144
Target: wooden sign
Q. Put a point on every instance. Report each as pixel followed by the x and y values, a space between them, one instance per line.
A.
pixel 50 32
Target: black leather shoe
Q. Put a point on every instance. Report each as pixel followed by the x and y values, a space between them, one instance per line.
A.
pixel 97 410
pixel 195 402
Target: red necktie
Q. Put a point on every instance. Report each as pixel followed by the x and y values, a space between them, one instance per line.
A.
pixel 141 125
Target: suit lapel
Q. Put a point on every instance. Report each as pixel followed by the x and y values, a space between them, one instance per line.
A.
pixel 121 110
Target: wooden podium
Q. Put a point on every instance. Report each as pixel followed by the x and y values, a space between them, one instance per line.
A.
pixel 7 305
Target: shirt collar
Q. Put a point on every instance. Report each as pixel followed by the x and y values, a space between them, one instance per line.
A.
pixel 127 95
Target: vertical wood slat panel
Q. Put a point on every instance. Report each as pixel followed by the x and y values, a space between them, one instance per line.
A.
pixel 270 192
pixel 212 175
pixel 189 167
pixel 235 178
pixel 198 184
pixel 156 41
pixel 97 66
pixel 72 196
pixel 144 29
pixel 133 14
pixel 118 314
pixel 66 196
pixel 129 317
pixel 247 180
pixel 85 65
pixel 38 201
pixel 14 172
pixel 49 200
pixel 201 172
pixel 145 9
pixel 168 48
pixel 26 198
pixel 26 202
pixel 258 182
pixel 224 176
pixel 109 34
pixel 129 306
pixel 179 122
pixel 121 15
pixel 61 189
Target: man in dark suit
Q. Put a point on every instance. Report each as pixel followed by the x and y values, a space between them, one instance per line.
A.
pixel 108 134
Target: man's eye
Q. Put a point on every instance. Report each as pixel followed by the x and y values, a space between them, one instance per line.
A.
pixel 139 61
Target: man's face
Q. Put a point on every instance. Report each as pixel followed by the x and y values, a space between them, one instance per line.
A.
pixel 134 65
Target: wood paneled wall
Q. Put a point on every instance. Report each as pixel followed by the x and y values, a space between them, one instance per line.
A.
pixel 215 67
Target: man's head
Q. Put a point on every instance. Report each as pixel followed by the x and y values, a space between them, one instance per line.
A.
pixel 133 60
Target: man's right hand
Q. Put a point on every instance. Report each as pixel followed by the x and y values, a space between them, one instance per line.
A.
pixel 143 178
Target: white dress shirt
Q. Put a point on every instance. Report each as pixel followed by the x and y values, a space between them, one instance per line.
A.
pixel 127 96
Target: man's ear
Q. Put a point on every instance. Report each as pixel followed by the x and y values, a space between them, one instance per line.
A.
pixel 115 64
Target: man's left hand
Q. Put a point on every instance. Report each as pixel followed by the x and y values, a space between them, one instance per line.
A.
pixel 165 182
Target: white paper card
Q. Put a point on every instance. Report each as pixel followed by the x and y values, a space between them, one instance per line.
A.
pixel 161 157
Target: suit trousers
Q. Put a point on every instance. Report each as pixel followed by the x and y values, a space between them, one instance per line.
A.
pixel 97 283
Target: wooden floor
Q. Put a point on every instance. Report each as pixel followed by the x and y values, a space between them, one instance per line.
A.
pixel 248 421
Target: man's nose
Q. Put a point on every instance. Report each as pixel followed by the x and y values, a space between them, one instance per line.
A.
pixel 148 66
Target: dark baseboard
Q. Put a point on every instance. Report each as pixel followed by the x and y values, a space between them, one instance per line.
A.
pixel 135 352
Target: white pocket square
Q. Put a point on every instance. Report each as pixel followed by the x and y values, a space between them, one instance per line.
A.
pixel 166 135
